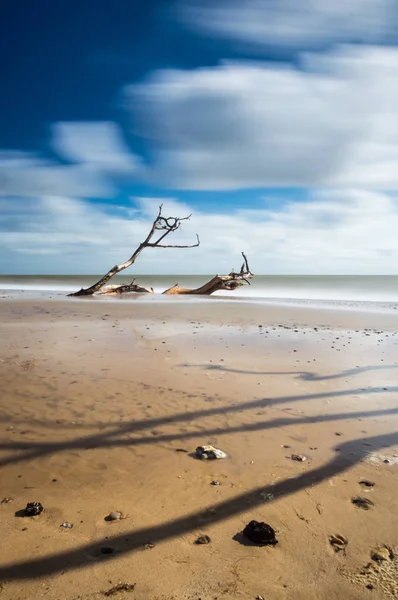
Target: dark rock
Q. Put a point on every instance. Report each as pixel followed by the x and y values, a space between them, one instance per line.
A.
pixel 260 533
pixel 32 509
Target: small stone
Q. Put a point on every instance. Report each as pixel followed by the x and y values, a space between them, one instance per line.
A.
pixel 387 461
pixel 298 457
pixel 149 546
pixel 203 539
pixel 266 497
pixel 67 525
pixel 215 482
pixel 33 508
pixel 115 515
pixel 259 598
pixel 209 453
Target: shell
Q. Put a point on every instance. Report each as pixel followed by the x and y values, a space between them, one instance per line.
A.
pixel 382 554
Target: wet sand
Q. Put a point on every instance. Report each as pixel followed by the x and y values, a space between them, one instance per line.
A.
pixel 97 400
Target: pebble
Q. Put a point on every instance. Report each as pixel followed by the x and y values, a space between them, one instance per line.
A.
pixel 215 482
pixel 67 525
pixel 115 515
pixel 209 452
pixel 298 457
pixel 203 539
pixel 266 497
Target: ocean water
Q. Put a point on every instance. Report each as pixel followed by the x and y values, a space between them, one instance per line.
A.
pixel 301 288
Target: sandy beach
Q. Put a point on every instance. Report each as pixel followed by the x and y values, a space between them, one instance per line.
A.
pixel 103 404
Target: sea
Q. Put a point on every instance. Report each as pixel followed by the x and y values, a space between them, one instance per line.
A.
pixel 345 291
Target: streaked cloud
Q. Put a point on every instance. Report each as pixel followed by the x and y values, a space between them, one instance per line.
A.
pixel 99 144
pixel 330 232
pixel 23 174
pixel 293 24
pixel 330 121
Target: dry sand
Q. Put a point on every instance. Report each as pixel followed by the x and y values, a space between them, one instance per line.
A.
pixel 96 399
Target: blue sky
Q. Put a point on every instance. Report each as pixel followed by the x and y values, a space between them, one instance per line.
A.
pixel 274 123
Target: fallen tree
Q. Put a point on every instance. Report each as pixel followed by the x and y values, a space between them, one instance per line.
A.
pixel 166 225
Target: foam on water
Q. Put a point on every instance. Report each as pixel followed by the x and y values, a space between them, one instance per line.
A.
pixel 322 290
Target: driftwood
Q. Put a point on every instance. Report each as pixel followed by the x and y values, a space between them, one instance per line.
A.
pixel 219 282
pixel 166 225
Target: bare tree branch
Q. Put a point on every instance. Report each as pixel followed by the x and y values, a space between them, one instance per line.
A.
pixel 166 224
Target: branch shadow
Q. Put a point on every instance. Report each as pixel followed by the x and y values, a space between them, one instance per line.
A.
pixel 351 453
pixel 303 375
pixel 112 438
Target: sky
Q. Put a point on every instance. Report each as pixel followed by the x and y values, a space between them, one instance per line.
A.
pixel 273 122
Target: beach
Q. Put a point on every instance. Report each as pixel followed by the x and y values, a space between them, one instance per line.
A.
pixel 104 403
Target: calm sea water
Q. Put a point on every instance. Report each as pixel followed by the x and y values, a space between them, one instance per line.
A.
pixel 358 288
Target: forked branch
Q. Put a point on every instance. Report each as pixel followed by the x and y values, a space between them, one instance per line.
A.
pixel 167 225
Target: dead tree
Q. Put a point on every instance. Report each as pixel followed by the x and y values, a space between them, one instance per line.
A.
pixel 163 224
pixel 167 225
pixel 219 282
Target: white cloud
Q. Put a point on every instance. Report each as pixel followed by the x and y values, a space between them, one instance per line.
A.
pixel 23 174
pixel 99 144
pixel 97 154
pixel 331 232
pixel 330 122
pixel 293 23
